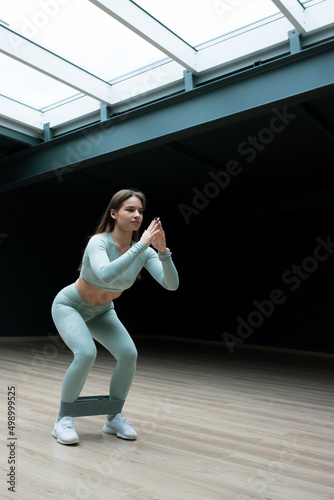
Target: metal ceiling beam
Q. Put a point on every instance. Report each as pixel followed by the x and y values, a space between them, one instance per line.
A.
pixel 309 18
pixel 18 137
pixel 269 88
pixel 151 30
pixel 44 61
pixel 294 12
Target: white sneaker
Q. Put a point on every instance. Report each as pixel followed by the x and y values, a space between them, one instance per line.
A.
pixel 120 426
pixel 65 432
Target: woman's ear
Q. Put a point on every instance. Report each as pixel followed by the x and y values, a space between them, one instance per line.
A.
pixel 112 214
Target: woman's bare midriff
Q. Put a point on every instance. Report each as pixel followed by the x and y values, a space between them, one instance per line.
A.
pixel 93 295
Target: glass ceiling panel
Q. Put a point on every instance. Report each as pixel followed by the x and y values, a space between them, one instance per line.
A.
pixel 77 31
pixel 81 33
pixel 29 86
pixel 199 21
pixel 84 35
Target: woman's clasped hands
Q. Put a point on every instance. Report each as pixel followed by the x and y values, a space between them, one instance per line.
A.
pixel 154 235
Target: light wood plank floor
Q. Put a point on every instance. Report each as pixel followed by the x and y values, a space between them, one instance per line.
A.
pixel 211 425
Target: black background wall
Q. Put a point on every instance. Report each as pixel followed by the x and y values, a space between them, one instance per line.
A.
pixel 255 255
pixel 225 264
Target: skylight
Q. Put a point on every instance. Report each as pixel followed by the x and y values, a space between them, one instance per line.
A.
pixel 71 55
pixel 198 21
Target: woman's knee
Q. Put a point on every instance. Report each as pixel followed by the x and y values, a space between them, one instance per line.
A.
pixel 86 355
pixel 128 355
pixel 134 354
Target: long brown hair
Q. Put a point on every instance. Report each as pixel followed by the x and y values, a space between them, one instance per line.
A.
pixel 107 223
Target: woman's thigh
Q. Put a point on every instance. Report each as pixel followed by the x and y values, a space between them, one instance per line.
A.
pixel 74 331
pixel 108 330
pixel 70 315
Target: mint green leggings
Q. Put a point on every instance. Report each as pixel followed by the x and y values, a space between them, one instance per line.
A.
pixel 78 323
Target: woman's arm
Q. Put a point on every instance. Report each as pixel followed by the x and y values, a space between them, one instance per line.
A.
pixel 107 271
pixel 161 267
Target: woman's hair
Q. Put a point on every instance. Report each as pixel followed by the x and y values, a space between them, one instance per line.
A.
pixel 107 223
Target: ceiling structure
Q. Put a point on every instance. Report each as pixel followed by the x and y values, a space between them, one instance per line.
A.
pixel 151 85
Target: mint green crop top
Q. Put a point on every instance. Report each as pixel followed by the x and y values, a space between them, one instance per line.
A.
pixel 107 269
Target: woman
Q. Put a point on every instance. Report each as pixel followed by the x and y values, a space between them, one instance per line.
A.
pixel 84 311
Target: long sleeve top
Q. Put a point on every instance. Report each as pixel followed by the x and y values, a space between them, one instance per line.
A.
pixel 107 269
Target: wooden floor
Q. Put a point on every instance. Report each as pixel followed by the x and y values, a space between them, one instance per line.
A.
pixel 211 425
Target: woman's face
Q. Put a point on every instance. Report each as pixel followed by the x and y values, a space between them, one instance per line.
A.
pixel 130 216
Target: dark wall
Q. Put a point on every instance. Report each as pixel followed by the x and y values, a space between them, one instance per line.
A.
pixel 225 266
